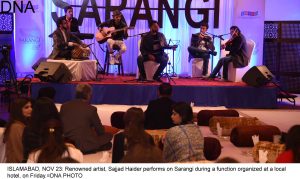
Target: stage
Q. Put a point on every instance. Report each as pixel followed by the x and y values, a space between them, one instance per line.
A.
pixel 126 90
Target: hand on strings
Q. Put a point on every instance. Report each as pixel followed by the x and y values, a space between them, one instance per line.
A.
pixel 223 46
pixel 151 57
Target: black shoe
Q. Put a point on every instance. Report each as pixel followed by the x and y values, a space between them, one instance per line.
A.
pixel 214 53
pixel 141 78
pixel 157 79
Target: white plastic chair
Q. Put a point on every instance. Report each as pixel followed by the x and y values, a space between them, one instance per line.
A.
pixel 236 74
pixel 150 66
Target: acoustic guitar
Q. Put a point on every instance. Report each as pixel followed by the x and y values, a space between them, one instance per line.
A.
pixel 107 32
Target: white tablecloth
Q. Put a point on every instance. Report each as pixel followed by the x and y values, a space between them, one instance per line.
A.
pixel 85 70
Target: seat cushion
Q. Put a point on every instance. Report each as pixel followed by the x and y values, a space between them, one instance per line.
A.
pixel 212 148
pixel 241 136
pixel 205 115
pixel 228 123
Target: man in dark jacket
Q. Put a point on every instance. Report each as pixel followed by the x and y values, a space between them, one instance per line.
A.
pixel 236 46
pixel 201 47
pixel 72 22
pixel 152 48
pixel 159 111
pixel 82 124
pixel 63 41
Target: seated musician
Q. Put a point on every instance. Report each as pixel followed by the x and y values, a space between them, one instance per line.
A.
pixel 118 22
pixel 236 46
pixel 62 43
pixel 201 47
pixel 152 48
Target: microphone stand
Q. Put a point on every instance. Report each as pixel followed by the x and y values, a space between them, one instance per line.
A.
pixel 213 41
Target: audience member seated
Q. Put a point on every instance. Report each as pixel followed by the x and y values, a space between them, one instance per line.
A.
pixel 183 142
pixel 20 113
pixel 43 110
pixel 140 153
pixel 82 124
pixel 3 123
pixel 53 145
pixel 48 92
pixel 159 111
pixel 292 144
pixel 134 134
pixel 117 119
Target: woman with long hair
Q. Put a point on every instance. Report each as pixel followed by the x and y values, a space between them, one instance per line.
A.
pixel 20 113
pixel 43 110
pixel 53 146
pixel 134 138
pixel 183 142
pixel 292 144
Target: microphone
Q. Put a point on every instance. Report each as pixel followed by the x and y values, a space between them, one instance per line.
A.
pixel 169 42
pixel 220 36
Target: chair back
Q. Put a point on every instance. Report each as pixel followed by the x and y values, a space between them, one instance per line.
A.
pixel 249 48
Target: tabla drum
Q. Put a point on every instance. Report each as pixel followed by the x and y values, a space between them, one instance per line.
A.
pixel 81 53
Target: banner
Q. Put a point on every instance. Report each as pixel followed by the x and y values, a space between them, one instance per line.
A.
pixel 29 35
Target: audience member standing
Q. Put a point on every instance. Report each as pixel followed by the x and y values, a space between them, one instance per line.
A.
pixel 20 113
pixel 82 124
pixel 183 142
pixel 159 111
pixel 54 147
pixel 43 110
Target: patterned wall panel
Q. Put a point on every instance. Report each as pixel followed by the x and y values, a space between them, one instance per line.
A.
pixel 270 52
pixel 290 55
pixel 271 31
pixel 282 53
pixel 6 23
pixel 290 31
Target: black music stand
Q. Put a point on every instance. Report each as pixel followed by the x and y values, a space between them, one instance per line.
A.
pixel 220 38
pixel 9 74
pixel 172 44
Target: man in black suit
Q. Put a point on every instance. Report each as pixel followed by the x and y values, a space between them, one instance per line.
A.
pixel 82 124
pixel 201 47
pixel 159 111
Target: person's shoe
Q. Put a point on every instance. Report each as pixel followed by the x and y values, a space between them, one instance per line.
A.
pixel 141 78
pixel 112 59
pixel 214 53
pixel 157 79
pixel 205 76
pixel 224 80
pixel 117 58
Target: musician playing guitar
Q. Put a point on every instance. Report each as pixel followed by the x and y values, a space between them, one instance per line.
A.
pixel 201 47
pixel 152 48
pixel 118 22
pixel 64 41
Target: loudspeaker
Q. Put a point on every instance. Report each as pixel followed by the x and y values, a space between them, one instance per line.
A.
pixel 53 72
pixel 258 76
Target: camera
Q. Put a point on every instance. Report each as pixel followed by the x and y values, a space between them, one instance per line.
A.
pixel 5 47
